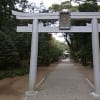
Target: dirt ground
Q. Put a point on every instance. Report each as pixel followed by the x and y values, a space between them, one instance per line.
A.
pixel 14 88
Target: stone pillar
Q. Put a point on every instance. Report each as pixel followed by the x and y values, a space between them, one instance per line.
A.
pixel 96 56
pixel 33 58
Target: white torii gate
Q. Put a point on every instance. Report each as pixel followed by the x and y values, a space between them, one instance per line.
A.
pixel 35 27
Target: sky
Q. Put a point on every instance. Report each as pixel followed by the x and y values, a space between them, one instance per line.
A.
pixel 47 3
pixel 58 36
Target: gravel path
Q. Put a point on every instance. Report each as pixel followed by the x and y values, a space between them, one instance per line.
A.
pixel 64 83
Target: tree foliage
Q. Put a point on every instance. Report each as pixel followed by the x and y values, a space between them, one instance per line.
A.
pixel 50 49
pixel 80 44
pixel 15 47
pixel 83 44
pixel 60 7
pixel 88 7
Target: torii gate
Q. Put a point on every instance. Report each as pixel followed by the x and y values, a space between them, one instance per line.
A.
pixel 35 27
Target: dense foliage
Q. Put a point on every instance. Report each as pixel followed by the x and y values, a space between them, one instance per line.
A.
pixel 15 47
pixel 12 53
pixel 50 50
pixel 80 44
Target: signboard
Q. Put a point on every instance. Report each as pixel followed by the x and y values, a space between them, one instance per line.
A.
pixel 64 20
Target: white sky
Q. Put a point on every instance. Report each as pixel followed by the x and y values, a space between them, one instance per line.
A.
pixel 47 3
pixel 58 36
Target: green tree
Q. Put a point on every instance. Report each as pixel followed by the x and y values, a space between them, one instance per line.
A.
pixel 9 55
pixel 80 44
pixel 50 50
pixel 83 49
pixel 89 7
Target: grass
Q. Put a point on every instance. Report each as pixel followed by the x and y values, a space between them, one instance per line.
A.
pixel 14 72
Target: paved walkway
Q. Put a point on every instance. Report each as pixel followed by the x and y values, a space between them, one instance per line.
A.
pixel 64 83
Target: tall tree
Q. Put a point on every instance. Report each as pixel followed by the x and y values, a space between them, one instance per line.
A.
pixel 8 51
pixel 83 49
pixel 80 44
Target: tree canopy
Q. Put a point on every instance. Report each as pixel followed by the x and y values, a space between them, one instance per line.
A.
pixel 15 47
pixel 80 44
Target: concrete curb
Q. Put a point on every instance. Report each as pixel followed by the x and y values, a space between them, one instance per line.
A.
pixel 90 83
pixel 32 93
pixel 41 81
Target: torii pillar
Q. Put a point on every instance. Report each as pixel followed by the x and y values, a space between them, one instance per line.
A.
pixel 96 56
pixel 33 59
